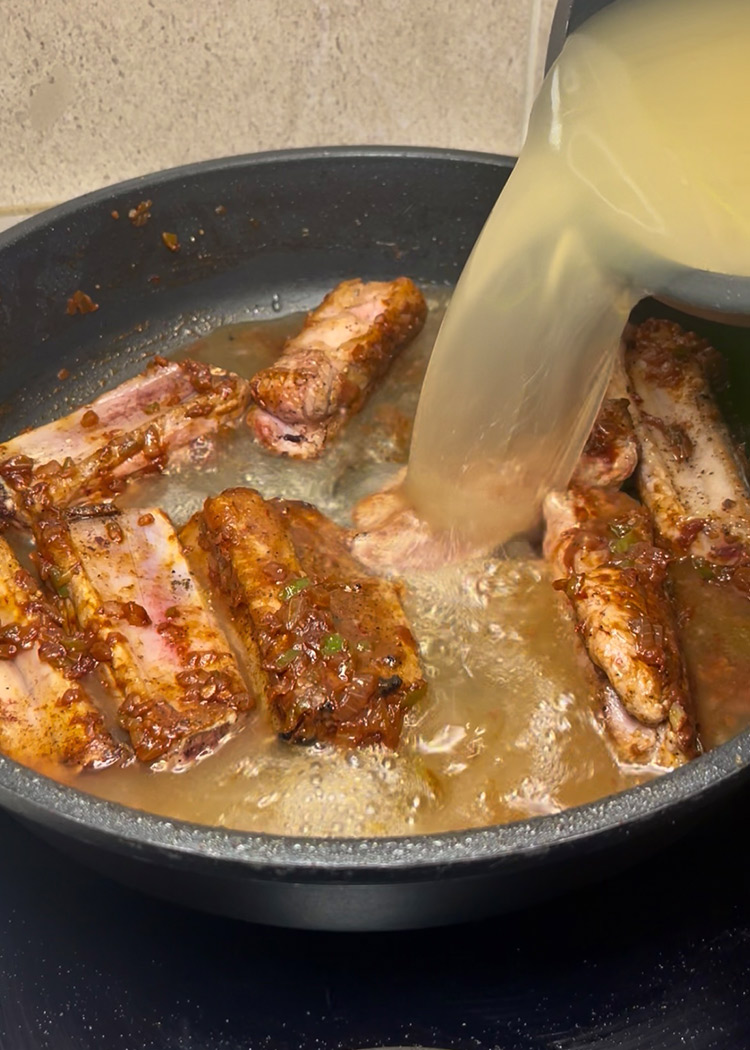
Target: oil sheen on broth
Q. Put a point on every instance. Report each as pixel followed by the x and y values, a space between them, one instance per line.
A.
pixel 508 730
pixel 635 165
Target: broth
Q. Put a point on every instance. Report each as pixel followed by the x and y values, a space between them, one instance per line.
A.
pixel 507 730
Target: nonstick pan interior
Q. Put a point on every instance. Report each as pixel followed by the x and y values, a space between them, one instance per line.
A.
pixel 261 235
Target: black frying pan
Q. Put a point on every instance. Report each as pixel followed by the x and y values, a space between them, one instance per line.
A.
pixel 288 225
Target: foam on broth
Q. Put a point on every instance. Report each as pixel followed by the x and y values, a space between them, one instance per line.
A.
pixel 507 730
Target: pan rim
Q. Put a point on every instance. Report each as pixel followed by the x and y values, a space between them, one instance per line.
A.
pixel 106 194
pixel 44 801
pixel 41 796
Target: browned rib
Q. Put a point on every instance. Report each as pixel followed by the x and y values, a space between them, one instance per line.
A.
pixel 390 538
pixel 610 454
pixel 601 544
pixel 325 373
pixel 691 476
pixel 693 479
pixel 329 644
pixel 46 718
pixel 127 581
pixel 130 430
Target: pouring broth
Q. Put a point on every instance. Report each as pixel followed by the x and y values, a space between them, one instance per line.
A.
pixel 635 166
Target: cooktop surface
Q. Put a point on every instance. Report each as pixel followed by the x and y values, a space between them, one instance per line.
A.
pixel 657 957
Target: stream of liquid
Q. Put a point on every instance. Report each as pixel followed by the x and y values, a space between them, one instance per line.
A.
pixel 637 164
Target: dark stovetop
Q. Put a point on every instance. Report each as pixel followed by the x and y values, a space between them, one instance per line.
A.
pixel 658 957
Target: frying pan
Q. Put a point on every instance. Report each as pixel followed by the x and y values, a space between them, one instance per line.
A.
pixel 257 233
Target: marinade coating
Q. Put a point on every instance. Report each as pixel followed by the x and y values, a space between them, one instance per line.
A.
pixel 125 578
pixel 328 644
pixel 326 372
pixel 601 543
pixel 691 476
pixel 89 454
pixel 46 716
pixel 610 454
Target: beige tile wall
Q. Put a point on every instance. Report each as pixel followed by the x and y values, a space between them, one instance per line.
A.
pixel 99 90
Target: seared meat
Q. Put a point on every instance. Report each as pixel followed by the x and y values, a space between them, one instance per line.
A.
pixel 601 543
pixel 610 454
pixel 389 536
pixel 325 373
pixel 46 718
pixel 691 476
pixel 329 645
pixel 130 430
pixel 636 744
pixel 126 580
pixel 693 480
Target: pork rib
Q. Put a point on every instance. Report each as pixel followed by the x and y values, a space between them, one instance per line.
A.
pixel 133 429
pixel 693 479
pixel 691 476
pixel 325 373
pixel 610 454
pixel 126 580
pixel 329 645
pixel 390 537
pixel 601 543
pixel 46 718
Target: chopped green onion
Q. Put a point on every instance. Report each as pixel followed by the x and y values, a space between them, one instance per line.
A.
pixel 293 588
pixel 286 658
pixel 58 578
pixel 704 569
pixel 624 542
pixel 332 643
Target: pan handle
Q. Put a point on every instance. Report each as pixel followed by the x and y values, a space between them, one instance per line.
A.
pixel 569 15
